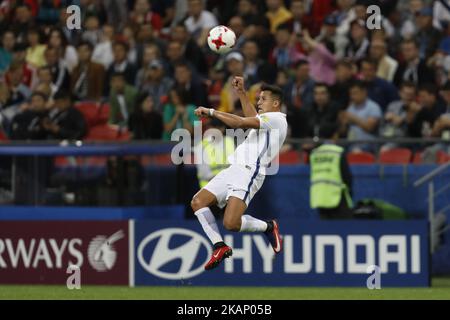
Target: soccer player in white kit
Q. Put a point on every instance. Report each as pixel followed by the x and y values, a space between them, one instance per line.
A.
pixel 235 186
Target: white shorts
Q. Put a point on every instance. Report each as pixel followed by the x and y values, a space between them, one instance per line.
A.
pixel 235 181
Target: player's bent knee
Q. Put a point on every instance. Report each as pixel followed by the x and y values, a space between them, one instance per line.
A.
pixel 232 225
pixel 197 203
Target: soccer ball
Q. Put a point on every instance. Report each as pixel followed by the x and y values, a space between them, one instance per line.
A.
pixel 221 39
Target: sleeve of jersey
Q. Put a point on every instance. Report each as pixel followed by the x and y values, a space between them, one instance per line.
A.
pixel 267 122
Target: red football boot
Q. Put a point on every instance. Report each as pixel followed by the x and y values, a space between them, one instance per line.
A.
pixel 218 256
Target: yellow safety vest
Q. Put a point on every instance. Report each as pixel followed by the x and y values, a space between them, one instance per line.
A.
pixel 327 185
pixel 217 156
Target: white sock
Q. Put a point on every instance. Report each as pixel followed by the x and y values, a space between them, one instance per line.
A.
pixel 209 224
pixel 250 224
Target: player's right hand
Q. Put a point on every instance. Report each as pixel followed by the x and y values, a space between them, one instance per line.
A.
pixel 202 112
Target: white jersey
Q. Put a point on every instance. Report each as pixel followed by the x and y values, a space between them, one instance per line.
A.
pixel 262 145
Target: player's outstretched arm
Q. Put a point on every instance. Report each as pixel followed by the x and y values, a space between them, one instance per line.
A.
pixel 247 107
pixel 229 119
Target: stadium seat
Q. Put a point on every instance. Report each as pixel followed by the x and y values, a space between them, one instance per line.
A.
pixel 360 158
pixel 107 132
pixel 417 158
pixel 290 157
pixel 442 157
pixel 3 136
pixel 396 156
pixel 94 113
pixel 163 159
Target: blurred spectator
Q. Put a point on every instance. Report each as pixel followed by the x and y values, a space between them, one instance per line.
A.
pixel 410 12
pixel 45 82
pixel 260 32
pixel 247 10
pixel 441 14
pixel 142 14
pixel 116 13
pixel 299 97
pixel 323 113
pixel 362 118
pixel 8 41
pixel 329 37
pixel 151 52
pixel 191 51
pixel 120 65
pixel 199 21
pixel 422 116
pixel 103 52
pixel 178 113
pixel 27 125
pixel 23 22
pixel 441 128
pixel 92 31
pixel 228 97
pixel 358 42
pixel 341 88
pixel 380 90
pixel 58 69
pixel 48 13
pixel 64 122
pixel 122 100
pixel 193 87
pixel 345 15
pixel 35 54
pixel 145 122
pixel 284 54
pixel 427 36
pixel 252 61
pixel 92 8
pixel 394 123
pixel 216 81
pixel 277 14
pixel 413 68
pixel 67 53
pixel 321 60
pixel 238 25
pixel 387 66
pixel 14 79
pixel 87 77
pixel 145 35
pixel 133 55
pixel 166 10
pixel 300 89
pixel 174 54
pixel 300 20
pixel 5 97
pixel 29 73
pixel 157 84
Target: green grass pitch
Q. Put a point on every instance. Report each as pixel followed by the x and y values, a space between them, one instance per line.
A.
pixel 440 290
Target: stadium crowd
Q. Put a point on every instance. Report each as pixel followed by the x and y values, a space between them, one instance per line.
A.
pixel 148 60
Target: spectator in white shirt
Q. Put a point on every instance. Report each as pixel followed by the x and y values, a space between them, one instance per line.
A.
pixel 199 21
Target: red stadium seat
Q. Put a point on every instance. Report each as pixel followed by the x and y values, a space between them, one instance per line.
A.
pixel 417 158
pixel 3 136
pixel 163 159
pixel 442 157
pixel 360 158
pixel 396 156
pixel 107 132
pixel 290 157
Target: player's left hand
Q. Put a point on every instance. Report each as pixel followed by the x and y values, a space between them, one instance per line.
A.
pixel 202 112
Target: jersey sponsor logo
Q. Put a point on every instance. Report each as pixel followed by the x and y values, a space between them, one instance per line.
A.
pixel 157 254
